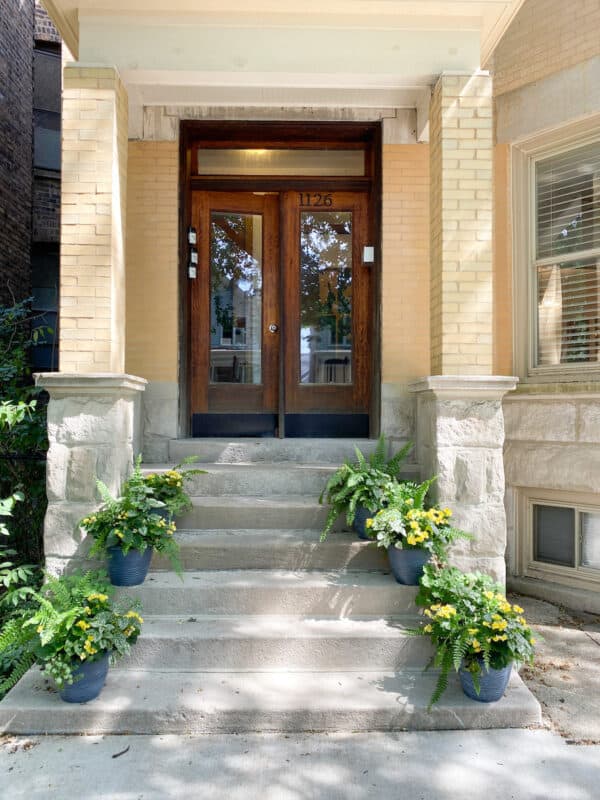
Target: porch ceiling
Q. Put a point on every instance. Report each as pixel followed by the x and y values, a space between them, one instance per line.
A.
pixel 380 36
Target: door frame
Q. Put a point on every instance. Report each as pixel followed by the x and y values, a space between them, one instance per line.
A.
pixel 300 135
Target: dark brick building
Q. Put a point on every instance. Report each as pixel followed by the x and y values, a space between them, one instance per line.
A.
pixel 30 87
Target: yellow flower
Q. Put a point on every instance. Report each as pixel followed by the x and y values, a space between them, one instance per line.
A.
pixel 473 631
pixel 428 613
pixel 446 612
pixel 500 625
pixel 88 646
pixel 489 595
pixel 522 620
pixel 82 624
pixel 369 522
pixel 119 534
pixel 411 539
pixel 414 525
pixel 428 628
pixel 532 639
pixel 500 638
pixel 476 645
pixel 40 628
pixel 518 609
pixel 128 631
pixel 102 598
pixel 87 610
pixel 447 512
pixel 134 615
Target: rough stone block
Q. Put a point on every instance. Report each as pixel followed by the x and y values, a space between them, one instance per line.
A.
pixel 62 535
pixel 589 422
pixel 572 467
pixel 81 474
pixel 487 524
pixel 81 420
pixel 56 471
pixel 469 423
pixel 495 567
pixel 540 421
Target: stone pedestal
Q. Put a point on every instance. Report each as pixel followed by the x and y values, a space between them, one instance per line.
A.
pixel 94 432
pixel 460 436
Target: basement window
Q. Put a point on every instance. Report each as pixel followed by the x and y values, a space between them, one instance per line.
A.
pixel 564 540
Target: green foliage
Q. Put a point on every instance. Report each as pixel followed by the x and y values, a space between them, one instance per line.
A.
pixel 471 624
pixel 23 440
pixel 131 521
pixel 167 487
pixel 367 482
pixel 69 620
pixel 406 523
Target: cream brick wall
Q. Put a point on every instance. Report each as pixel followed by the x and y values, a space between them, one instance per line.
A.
pixel 503 303
pixel 461 129
pixel 405 270
pixel 94 186
pixel 152 258
pixel 545 37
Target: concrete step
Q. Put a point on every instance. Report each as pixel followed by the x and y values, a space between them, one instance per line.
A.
pixel 236 511
pixel 274 549
pixel 274 592
pixel 269 643
pixel 256 479
pixel 154 702
pixel 300 451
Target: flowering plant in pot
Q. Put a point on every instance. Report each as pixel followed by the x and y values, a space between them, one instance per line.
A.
pixel 128 530
pixel 411 533
pixel 475 630
pixel 167 486
pixel 72 629
pixel 360 488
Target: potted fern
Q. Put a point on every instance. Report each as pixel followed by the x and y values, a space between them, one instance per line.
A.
pixel 411 533
pixel 72 630
pixel 128 529
pixel 475 630
pixel 167 488
pixel 358 489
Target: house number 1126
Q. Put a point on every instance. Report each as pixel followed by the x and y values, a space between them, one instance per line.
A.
pixel 315 199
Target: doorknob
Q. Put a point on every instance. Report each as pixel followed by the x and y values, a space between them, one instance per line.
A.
pixel 273 328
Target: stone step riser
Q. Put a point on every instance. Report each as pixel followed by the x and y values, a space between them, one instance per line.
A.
pixel 205 516
pixel 300 451
pixel 162 702
pixel 197 554
pixel 259 481
pixel 335 601
pixel 267 654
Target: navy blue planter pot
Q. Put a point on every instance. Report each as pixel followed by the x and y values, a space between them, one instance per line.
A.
pixel 130 569
pixel 407 565
pixel 88 680
pixel 360 522
pixel 492 683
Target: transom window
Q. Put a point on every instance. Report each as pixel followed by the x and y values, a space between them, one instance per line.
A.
pixel 566 256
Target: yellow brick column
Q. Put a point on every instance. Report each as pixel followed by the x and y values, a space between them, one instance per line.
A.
pixel 461 156
pixel 94 178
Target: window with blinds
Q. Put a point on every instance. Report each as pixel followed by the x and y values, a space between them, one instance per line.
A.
pixel 567 257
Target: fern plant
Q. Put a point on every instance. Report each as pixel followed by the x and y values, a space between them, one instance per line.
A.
pixel 366 482
pixel 471 624
pixel 167 487
pixel 69 620
pixel 131 521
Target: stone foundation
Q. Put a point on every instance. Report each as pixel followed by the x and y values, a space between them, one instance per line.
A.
pixel 94 432
pixel 460 435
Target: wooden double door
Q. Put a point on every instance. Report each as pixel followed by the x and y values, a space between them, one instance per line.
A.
pixel 281 313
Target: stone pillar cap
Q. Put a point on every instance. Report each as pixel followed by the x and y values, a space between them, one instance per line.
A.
pixel 92 383
pixel 462 386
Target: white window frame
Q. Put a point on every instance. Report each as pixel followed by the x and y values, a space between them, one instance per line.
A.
pixel 579 576
pixel 524 156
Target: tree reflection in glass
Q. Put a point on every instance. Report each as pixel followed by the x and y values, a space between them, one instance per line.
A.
pixel 326 297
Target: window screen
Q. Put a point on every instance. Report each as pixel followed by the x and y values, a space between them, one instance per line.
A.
pixel 554 535
pixel 567 236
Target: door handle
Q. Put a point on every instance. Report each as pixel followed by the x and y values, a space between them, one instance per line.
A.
pixel 273 328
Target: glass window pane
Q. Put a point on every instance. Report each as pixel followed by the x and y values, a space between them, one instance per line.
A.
pixel 235 298
pixel 568 201
pixel 568 313
pixel 590 540
pixel 280 162
pixel 326 297
pixel 554 535
pixel 46 140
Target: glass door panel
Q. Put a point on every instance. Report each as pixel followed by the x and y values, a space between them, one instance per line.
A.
pixel 235 297
pixel 326 297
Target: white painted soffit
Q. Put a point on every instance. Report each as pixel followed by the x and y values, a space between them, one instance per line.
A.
pixel 490 18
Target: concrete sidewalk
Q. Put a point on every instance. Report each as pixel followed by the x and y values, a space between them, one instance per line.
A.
pixel 446 765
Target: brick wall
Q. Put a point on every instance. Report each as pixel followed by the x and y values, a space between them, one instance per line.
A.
pixel 94 173
pixel 545 37
pixel 152 257
pixel 405 271
pixel 44 29
pixel 16 137
pixel 46 209
pixel 461 226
